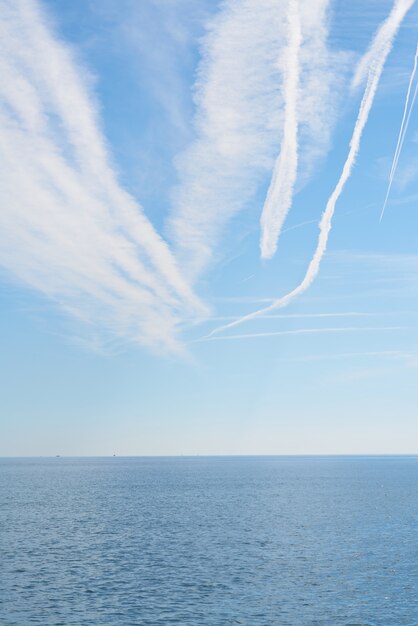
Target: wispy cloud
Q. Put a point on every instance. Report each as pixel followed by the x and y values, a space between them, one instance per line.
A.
pixel 370 71
pixel 241 112
pixel 152 46
pixel 67 228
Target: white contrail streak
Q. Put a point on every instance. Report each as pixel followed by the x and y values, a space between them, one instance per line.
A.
pixel 281 316
pixel 402 132
pixel 411 80
pixel 280 192
pixel 302 331
pixel 381 46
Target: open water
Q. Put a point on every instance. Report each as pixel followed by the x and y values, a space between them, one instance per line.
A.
pixel 258 541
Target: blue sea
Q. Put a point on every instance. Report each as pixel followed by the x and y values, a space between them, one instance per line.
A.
pixel 257 541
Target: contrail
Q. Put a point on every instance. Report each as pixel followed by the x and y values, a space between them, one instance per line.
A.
pixel 280 192
pixel 404 127
pixel 302 331
pixel 381 46
pixel 401 132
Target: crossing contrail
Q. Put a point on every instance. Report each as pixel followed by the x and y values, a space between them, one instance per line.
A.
pixel 404 127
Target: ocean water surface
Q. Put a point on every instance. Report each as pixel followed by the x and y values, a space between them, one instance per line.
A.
pixel 257 541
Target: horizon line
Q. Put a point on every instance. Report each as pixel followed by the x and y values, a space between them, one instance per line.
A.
pixel 197 455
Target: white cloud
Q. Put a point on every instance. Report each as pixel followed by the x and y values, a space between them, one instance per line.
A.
pixel 67 228
pixel 239 119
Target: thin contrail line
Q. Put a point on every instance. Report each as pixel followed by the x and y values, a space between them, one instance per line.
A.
pixel 392 171
pixel 301 331
pixel 404 127
pixel 285 316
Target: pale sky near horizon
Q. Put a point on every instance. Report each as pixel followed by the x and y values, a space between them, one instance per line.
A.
pixel 164 166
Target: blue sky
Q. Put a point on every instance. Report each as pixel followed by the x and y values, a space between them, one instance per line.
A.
pixel 165 166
